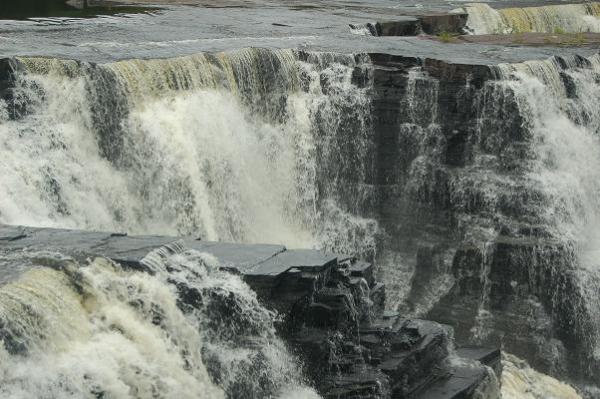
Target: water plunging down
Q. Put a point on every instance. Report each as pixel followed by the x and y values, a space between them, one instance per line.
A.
pixel 96 330
pixel 567 18
pixel 280 146
pixel 242 146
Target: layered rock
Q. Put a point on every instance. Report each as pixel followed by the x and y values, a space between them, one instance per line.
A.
pixel 459 208
pixel 446 177
pixel 8 67
pixel 332 310
pixel 430 24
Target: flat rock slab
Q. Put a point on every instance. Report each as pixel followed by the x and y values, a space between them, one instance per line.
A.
pixel 491 357
pixel 246 259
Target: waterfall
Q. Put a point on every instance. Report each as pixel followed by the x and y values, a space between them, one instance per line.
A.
pixel 519 381
pixel 247 146
pixel 284 146
pixel 96 330
pixel 493 208
pixel 556 109
pixel 239 146
pixel 562 18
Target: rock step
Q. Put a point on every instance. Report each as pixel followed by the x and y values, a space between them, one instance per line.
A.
pixel 432 24
pixel 331 308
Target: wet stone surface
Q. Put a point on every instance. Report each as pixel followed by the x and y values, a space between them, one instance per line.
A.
pixel 331 308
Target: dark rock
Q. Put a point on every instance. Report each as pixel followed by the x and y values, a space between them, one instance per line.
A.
pixel 440 23
pixel 8 69
pixel 331 308
pixel 490 357
pixel 363 270
pixel 463 382
pixel 408 27
pixel 433 24
pixel 362 383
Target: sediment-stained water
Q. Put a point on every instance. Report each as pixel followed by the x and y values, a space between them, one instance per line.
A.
pixel 273 132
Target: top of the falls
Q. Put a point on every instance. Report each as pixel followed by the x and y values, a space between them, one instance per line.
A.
pixel 181 30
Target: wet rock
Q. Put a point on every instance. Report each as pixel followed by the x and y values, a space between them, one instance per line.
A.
pixel 331 310
pixel 8 67
pixel 491 357
pixel 439 23
pixel 408 27
pixel 432 24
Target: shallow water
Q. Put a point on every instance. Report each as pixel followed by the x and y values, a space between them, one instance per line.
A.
pixel 179 29
pixel 38 9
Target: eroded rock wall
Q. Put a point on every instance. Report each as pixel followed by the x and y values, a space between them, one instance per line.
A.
pixel 462 213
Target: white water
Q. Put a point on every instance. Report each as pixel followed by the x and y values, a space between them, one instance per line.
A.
pixel 182 147
pixel 519 381
pixel 567 157
pixel 83 344
pixel 565 169
pixel 222 147
pixel 551 176
pixel 567 18
pixel 95 331
pixel 243 146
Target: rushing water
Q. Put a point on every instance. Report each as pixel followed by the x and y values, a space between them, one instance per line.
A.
pixel 559 103
pixel 246 146
pixel 276 146
pixel 95 331
pixel 224 147
pixel 530 182
pixel 567 18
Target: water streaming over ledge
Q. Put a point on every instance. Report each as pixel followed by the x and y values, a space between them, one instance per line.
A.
pixel 558 99
pixel 278 146
pixel 523 204
pixel 562 18
pixel 96 330
pixel 247 146
pixel 232 146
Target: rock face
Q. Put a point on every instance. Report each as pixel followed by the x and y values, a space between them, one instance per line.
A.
pixel 447 177
pixel 454 197
pixel 8 66
pixel 332 310
pixel 431 24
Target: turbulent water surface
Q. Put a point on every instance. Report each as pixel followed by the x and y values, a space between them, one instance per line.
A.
pixel 95 330
pixel 166 133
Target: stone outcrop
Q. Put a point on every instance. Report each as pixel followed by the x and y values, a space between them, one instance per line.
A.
pixel 332 310
pixel 446 183
pixel 8 67
pixel 430 24
pixel 458 208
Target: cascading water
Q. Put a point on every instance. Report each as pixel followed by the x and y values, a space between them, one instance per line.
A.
pixel 567 18
pixel 492 221
pixel 96 330
pixel 224 147
pixel 557 100
pixel 519 381
pixel 279 146
pixel 248 146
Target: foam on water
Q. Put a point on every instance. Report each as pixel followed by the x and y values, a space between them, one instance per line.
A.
pixel 225 146
pixel 90 331
pixel 97 330
pixel 564 18
pixel 519 381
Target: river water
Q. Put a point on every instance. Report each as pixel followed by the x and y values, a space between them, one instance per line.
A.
pixel 240 123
